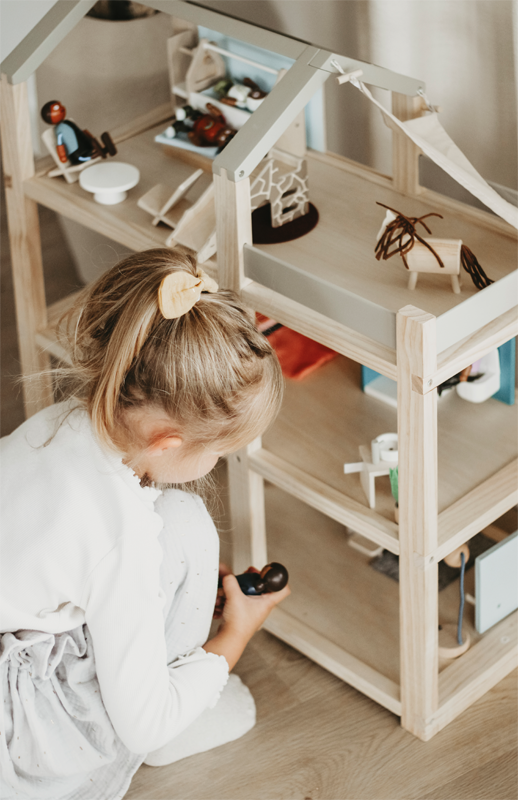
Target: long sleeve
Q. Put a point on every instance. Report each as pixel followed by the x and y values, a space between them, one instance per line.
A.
pixel 148 701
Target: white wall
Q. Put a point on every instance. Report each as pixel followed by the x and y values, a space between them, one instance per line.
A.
pixel 462 49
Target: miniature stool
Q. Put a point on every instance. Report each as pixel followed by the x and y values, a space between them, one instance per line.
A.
pixel 109 182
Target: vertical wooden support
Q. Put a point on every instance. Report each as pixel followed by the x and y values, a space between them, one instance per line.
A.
pixel 405 154
pixel 233 231
pixel 418 572
pixel 246 490
pixel 233 228
pixel 25 242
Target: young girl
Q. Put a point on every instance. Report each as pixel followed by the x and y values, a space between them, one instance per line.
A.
pixel 109 573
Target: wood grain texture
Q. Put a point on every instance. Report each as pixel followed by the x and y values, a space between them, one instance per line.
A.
pixel 246 496
pixel 405 154
pixel 418 504
pixel 233 228
pixel 488 338
pixel 325 499
pixel 24 234
pixel 477 509
pixel 348 668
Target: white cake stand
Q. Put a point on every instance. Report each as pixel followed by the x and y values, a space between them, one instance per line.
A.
pixel 109 181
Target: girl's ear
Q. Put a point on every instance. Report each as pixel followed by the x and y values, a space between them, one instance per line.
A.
pixel 163 444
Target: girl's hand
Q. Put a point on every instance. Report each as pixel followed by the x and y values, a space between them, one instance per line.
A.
pixel 245 614
pixel 242 617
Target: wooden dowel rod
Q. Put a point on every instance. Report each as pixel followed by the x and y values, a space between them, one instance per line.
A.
pixel 209 46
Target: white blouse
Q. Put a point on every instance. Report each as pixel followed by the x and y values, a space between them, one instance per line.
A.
pixel 79 543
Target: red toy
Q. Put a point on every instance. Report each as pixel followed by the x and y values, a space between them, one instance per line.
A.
pixel 208 130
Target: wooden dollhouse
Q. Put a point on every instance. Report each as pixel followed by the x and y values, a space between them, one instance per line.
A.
pixel 289 497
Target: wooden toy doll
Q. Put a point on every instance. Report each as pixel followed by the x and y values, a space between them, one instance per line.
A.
pixel 72 143
pixel 272 578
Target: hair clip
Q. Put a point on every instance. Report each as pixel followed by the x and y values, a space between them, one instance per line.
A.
pixel 179 291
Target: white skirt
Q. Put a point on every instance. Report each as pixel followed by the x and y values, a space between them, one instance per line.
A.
pixel 56 739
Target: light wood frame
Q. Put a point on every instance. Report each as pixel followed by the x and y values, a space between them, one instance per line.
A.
pixel 417 348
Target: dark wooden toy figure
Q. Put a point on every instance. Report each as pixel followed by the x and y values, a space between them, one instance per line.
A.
pixel 72 143
pixel 205 130
pixel 272 578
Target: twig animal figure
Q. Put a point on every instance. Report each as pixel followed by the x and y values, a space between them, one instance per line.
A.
pixel 398 235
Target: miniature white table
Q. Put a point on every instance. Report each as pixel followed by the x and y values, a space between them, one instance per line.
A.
pixel 109 181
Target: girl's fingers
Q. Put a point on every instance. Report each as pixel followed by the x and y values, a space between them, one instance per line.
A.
pixel 230 585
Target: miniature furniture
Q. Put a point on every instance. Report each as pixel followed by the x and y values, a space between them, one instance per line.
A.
pixel 453 479
pixel 109 182
pixel 67 170
pixel 160 202
pixel 194 224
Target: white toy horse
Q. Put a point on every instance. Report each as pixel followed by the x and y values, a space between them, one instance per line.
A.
pixel 398 235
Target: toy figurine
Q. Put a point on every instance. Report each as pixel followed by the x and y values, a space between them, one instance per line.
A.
pixel 398 235
pixel 72 143
pixel 272 578
pixel 246 95
pixel 205 130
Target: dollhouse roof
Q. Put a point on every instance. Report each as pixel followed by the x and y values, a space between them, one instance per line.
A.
pixel 64 15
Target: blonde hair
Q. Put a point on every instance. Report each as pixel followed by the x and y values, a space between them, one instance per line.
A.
pixel 210 370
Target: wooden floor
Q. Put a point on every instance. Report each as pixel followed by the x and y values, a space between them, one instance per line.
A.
pixel 315 738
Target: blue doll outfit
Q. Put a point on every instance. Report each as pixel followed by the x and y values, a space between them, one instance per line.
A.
pixel 77 144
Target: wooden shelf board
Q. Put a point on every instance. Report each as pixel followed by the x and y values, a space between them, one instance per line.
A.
pixel 340 250
pixel 477 509
pixel 326 417
pixel 334 590
pixel 469 677
pixel 342 612
pixel 465 352
pixel 125 222
pixel 333 504
pixel 345 666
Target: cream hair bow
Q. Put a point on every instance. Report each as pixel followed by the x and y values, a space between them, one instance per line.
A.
pixel 179 291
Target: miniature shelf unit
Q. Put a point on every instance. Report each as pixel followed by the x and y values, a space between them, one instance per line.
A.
pixel 457 470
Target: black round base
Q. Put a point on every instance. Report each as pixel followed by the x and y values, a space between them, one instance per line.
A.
pixel 263 233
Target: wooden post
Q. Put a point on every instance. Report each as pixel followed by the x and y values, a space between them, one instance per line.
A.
pixel 246 488
pixel 25 242
pixel 418 572
pixel 405 154
pixel 233 228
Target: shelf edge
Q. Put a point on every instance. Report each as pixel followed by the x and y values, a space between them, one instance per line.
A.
pixel 468 678
pixel 325 499
pixel 317 326
pixel 88 213
pixel 334 659
pixel 487 338
pixel 477 509
pixel 363 316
